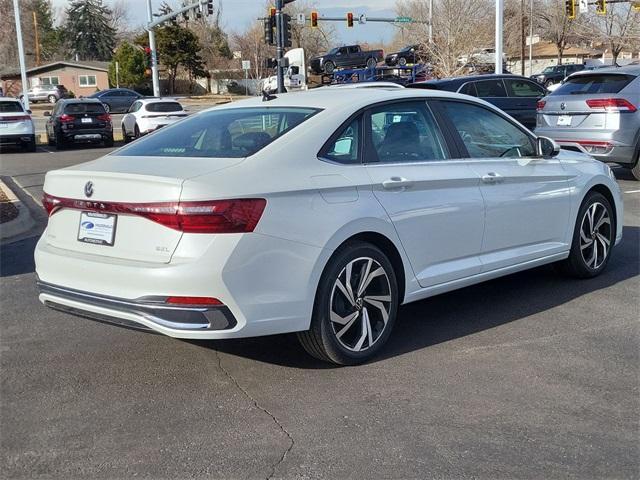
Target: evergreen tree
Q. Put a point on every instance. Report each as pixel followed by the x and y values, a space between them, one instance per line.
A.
pixel 88 31
pixel 131 66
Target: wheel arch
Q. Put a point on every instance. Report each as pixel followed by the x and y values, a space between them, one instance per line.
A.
pixel 605 191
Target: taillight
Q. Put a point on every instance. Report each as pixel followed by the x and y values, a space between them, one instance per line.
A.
pixel 540 105
pixel 19 118
pixel 105 117
pixel 64 118
pixel 612 104
pixel 216 216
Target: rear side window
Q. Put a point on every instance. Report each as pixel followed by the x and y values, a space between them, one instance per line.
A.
pixel 490 88
pixel 223 133
pixel 10 107
pixel 594 83
pixel 75 108
pixel 164 107
pixel 469 89
pixel 523 88
pixel 344 149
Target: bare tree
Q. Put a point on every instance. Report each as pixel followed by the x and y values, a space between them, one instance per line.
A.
pixel 253 47
pixel 315 41
pixel 618 29
pixel 459 28
pixel 555 26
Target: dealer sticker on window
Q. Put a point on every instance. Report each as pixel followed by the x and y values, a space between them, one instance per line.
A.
pixel 97 228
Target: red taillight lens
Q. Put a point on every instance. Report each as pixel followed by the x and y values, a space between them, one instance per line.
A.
pixel 64 118
pixel 540 105
pixel 217 216
pixel 612 104
pixel 105 117
pixel 207 301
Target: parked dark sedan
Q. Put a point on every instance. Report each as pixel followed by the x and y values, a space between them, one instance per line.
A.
pixel 83 120
pixel 409 54
pixel 117 99
pixel 518 96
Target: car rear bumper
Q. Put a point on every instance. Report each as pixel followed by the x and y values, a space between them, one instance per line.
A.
pixel 80 136
pixel 17 138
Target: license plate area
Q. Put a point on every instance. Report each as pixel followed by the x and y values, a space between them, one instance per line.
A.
pixel 97 228
pixel 86 120
pixel 564 121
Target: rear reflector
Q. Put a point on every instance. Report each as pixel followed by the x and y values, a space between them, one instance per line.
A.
pixel 612 104
pixel 540 105
pixel 208 301
pixel 216 216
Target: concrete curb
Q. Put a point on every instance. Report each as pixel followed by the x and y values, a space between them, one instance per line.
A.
pixel 19 225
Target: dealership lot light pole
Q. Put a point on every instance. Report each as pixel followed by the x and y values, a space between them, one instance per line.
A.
pixel 499 28
pixel 23 69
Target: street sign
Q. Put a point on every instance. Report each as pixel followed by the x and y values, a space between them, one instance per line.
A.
pixel 301 19
pixel 404 19
pixel 362 19
pixel 584 6
pixel 246 64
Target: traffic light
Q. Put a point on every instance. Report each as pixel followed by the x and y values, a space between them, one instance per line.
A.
pixel 570 9
pixel 601 7
pixel 209 7
pixel 286 27
pixel 268 30
pixel 350 20
pixel 314 19
pixel 147 60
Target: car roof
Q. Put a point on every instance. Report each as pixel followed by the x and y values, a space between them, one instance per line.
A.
pixel 80 100
pixel 469 78
pixel 343 98
pixel 366 85
pixel 147 100
pixel 628 70
pixel 9 99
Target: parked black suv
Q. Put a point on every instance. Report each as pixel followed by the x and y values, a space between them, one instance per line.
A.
pixel 516 95
pixel 409 54
pixel 556 74
pixel 79 121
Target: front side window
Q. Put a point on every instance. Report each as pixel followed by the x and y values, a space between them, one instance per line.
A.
pixel 490 88
pixel 87 80
pixel 344 149
pixel 523 88
pixel 221 133
pixel 486 134
pixel 404 132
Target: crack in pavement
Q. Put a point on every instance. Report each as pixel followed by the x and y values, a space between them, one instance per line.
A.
pixel 274 467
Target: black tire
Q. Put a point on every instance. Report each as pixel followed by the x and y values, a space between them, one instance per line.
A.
pixel 30 146
pixel 50 142
pixel 329 67
pixel 372 62
pixel 52 99
pixel 136 131
pixel 577 264
pixel 108 142
pixel 548 83
pixel 107 108
pixel 126 138
pixel 322 341
pixel 61 143
pixel 635 170
pixel 402 61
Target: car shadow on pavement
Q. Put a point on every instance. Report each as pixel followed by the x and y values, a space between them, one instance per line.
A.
pixel 459 313
pixel 16 258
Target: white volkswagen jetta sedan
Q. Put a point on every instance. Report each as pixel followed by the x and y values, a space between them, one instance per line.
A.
pixel 318 213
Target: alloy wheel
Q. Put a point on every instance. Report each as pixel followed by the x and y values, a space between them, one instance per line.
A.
pixel 595 235
pixel 360 303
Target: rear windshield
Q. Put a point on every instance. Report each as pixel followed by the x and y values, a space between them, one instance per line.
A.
pixel 84 108
pixel 224 133
pixel 164 107
pixel 10 107
pixel 595 83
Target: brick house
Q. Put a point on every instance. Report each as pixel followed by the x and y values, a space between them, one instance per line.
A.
pixel 81 78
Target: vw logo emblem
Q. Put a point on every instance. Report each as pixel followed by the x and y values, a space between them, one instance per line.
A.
pixel 563 106
pixel 88 189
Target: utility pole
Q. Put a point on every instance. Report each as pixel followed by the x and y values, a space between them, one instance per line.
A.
pixel 279 44
pixel 499 27
pixel 531 38
pixel 154 53
pixel 522 41
pixel 23 68
pixel 35 28
pixel 430 21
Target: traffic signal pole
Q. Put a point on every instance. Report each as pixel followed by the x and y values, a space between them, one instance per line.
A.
pixel 154 53
pixel 279 44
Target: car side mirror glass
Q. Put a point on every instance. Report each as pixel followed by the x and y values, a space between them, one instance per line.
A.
pixel 547 147
pixel 29 112
pixel 46 114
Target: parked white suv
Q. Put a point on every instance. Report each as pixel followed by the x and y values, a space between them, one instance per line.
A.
pixel 16 125
pixel 148 114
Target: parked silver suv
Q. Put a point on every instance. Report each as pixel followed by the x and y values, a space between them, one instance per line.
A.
pixel 596 112
pixel 46 93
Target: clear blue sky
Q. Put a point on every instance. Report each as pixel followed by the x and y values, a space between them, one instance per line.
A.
pixel 238 14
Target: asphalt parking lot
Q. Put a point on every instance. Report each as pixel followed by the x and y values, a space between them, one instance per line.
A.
pixel 529 376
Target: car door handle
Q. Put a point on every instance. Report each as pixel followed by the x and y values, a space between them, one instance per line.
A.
pixel 492 177
pixel 395 183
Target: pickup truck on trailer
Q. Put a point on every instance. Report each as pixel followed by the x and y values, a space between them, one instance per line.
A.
pixel 351 56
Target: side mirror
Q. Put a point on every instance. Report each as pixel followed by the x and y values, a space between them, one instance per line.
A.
pixel 547 147
pixel 29 112
pixel 46 114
